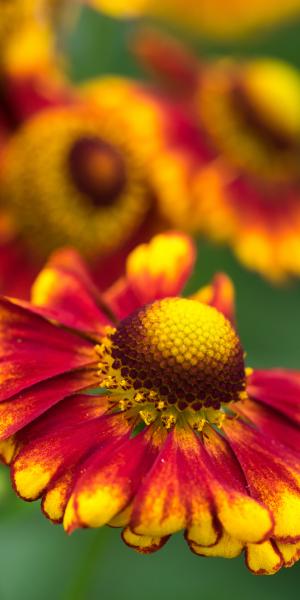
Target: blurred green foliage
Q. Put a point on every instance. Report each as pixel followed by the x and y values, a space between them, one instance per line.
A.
pixel 38 561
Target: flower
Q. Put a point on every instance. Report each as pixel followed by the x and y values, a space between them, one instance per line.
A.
pixel 219 18
pixel 100 177
pixel 261 203
pixel 87 186
pixel 245 189
pixel 177 433
pixel 32 77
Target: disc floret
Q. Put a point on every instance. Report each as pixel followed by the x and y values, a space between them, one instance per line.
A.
pixel 175 358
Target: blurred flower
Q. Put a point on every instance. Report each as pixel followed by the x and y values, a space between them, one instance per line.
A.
pixel 248 190
pixel 179 436
pixel 31 72
pixel 74 176
pixel 220 18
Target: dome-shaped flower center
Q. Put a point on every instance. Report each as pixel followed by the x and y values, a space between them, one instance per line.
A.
pixel 176 353
pixel 98 170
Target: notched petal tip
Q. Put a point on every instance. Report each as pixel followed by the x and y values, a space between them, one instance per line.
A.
pixel 142 543
pixel 226 547
pixel 263 559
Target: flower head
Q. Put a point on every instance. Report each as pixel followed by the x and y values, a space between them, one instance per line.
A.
pixel 179 436
pixel 85 186
pixel 243 187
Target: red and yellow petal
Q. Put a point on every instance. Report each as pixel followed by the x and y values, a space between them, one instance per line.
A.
pixel 241 516
pixel 142 543
pixel 220 294
pixel 49 456
pixel 110 481
pixel 279 389
pixel 175 494
pixel 65 288
pixel 155 270
pixel 22 335
pixel 226 547
pixel 289 552
pixel 57 495
pixel 8 449
pixel 273 475
pixel 26 406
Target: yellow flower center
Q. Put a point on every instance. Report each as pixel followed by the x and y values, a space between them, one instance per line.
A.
pixel 175 355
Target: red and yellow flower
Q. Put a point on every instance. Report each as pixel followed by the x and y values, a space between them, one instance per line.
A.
pixel 179 436
pixel 246 192
pixel 100 194
pixel 221 18
pixel 90 185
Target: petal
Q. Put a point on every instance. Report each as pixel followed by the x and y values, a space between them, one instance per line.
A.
pixel 271 423
pixel 154 270
pixel 32 349
pixel 8 449
pixel 49 456
pixel 175 495
pixel 263 559
pixel 279 389
pixel 110 481
pixel 271 475
pixel 56 498
pixel 289 552
pixel 226 547
pixel 242 517
pixel 26 406
pixel 65 288
pixel 167 59
pixel 220 294
pixel 143 543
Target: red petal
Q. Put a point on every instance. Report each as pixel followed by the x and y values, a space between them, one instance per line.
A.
pixel 271 423
pixel 32 349
pixel 167 59
pixel 65 288
pixel 278 388
pixel 26 406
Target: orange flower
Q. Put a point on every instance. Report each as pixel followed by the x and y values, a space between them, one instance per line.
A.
pixel 177 433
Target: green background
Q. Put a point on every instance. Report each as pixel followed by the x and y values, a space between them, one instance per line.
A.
pixel 38 560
